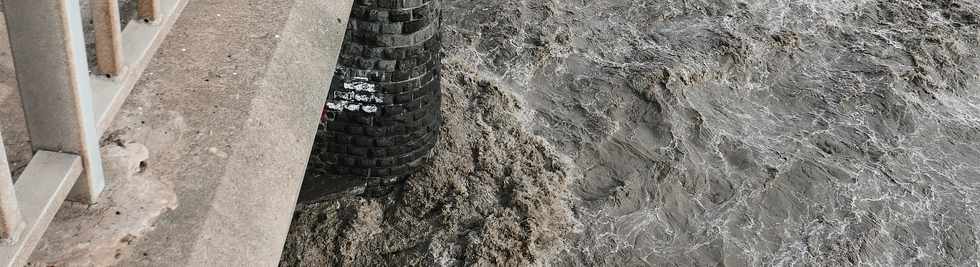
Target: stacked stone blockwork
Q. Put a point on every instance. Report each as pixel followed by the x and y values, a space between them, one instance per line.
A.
pixel 382 115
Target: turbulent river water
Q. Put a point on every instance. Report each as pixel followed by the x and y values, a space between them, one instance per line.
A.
pixel 689 133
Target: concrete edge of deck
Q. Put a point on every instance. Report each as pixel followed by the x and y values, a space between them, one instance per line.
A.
pixel 262 179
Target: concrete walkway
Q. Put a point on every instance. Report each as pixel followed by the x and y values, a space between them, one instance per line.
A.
pixel 213 142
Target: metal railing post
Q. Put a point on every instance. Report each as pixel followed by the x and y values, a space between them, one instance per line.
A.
pixel 149 10
pixel 11 221
pixel 108 36
pixel 53 79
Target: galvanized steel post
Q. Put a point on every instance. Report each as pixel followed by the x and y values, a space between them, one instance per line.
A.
pixel 11 221
pixel 53 78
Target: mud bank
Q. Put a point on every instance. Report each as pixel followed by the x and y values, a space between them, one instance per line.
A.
pixel 696 133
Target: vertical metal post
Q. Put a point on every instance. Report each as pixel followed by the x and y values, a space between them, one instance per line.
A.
pixel 108 36
pixel 53 78
pixel 149 9
pixel 11 221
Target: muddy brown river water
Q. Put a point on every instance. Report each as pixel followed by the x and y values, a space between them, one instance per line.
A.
pixel 687 133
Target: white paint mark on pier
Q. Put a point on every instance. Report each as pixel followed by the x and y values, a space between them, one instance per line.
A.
pixel 360 95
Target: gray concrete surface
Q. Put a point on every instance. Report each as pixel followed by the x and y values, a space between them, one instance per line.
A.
pixel 226 111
